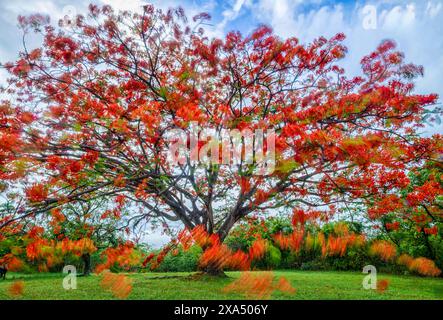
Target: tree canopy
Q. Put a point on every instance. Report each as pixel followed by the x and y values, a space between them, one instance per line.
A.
pixel 87 115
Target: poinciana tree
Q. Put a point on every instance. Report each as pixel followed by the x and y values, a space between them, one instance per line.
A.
pixel 87 116
pixel 417 230
pixel 92 220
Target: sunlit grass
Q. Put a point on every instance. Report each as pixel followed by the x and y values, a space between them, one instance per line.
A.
pixel 309 285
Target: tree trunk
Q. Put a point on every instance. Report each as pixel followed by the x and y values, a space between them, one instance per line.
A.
pixel 211 269
pixel 213 272
pixel 431 252
pixel 86 264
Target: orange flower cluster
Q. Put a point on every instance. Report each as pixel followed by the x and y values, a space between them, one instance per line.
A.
pixel 431 231
pixel 14 263
pixel 239 260
pixel 330 246
pixel 16 289
pixel 392 226
pixel 34 249
pixel 336 246
pixel 53 251
pixel 119 284
pixel 9 230
pixel 216 255
pixel 160 257
pixel 339 244
pixel 57 218
pixel 292 241
pixel 219 257
pixel 425 267
pixel 259 286
pixel 77 247
pixel 258 249
pixel 123 255
pixel 202 238
pixel 383 249
pixel 389 203
pixel 36 193
pixel 148 259
pixel 282 241
pixel 405 260
pixel 420 265
pixel 50 252
pixel 382 285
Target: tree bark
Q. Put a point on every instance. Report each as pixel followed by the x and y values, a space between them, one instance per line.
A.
pixel 213 272
pixel 86 264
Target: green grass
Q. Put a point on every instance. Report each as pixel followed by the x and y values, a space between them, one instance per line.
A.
pixel 309 285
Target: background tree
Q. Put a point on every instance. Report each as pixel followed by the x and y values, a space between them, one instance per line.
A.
pixel 417 228
pixel 87 116
pixel 96 220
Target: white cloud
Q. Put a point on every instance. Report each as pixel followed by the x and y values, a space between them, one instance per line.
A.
pixel 432 9
pixel 228 15
pixel 416 26
pixel 156 238
pixel 279 14
pixel 399 17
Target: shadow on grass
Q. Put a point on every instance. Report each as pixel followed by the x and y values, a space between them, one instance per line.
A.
pixel 32 276
pixel 198 276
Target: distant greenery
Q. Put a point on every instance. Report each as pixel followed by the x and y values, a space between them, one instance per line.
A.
pixel 244 234
pixel 184 261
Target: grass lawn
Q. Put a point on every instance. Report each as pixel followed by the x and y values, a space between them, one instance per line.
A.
pixel 309 285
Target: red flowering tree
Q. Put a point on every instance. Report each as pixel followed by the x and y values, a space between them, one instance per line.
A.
pixel 87 115
pixel 417 229
pixel 92 220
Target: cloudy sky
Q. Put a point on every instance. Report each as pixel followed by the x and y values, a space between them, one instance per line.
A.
pixel 416 26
